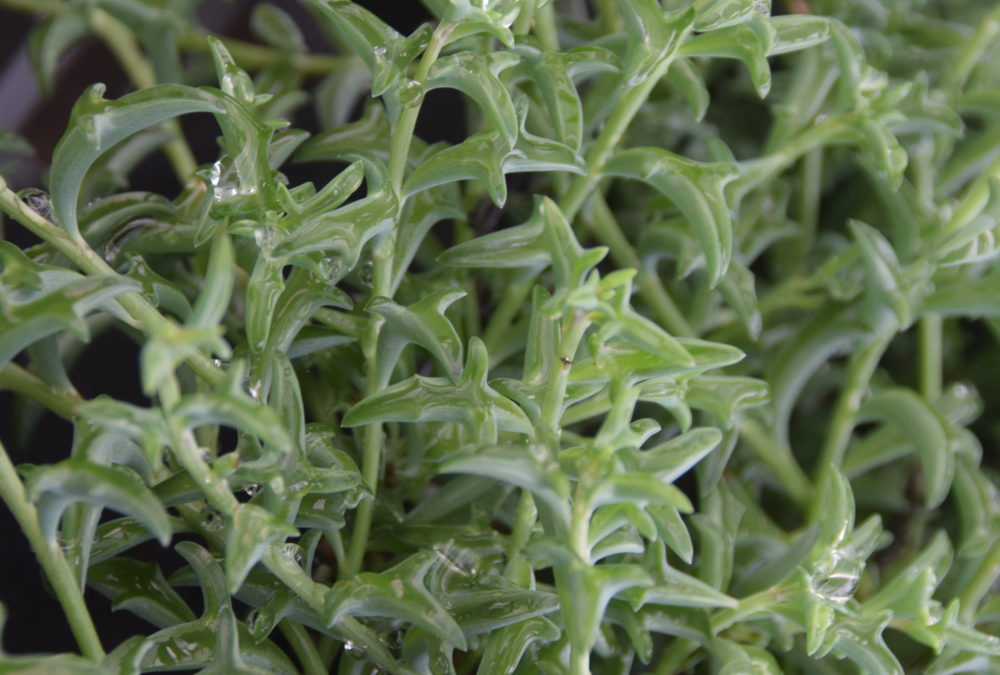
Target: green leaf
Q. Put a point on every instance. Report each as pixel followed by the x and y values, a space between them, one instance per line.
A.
pixel 386 53
pixel 749 42
pixel 725 397
pixel 697 190
pixel 141 589
pixel 546 238
pixel 920 422
pixel 274 26
pixel 482 612
pixel 475 75
pixel 213 301
pixel 97 124
pixel 826 334
pixel 494 18
pixel 470 401
pixel 671 460
pixel 689 83
pixel 519 466
pixel 55 487
pixel 423 323
pixel 397 593
pixel 63 308
pixel 51 39
pixel 507 646
pixel 250 532
pixel 232 407
pixel 715 14
pixel 488 157
pixel 654 37
pixel 793 32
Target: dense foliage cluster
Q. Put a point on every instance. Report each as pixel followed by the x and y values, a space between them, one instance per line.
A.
pixel 671 365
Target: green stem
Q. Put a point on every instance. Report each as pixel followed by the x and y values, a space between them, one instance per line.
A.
pixel 749 606
pixel 252 56
pixel 779 459
pixel 860 369
pixel 979 585
pixel 525 18
pixel 148 318
pixel 303 647
pixel 810 192
pixel 974 49
pixel 57 569
pixel 673 657
pixel 610 16
pixel 122 43
pixel 604 226
pixel 21 381
pixel 929 344
pixel 382 285
pixel 525 518
pixel 555 392
pixel 545 27
pixel 502 317
pixel 614 128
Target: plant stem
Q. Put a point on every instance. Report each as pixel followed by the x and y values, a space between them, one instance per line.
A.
pixel 545 26
pixel 122 43
pixel 614 128
pixel 57 569
pixel 147 317
pixel 674 656
pixel 779 459
pixel 525 17
pixel 382 285
pixel 502 318
pixel 860 369
pixel 253 56
pixel 979 585
pixel 303 647
pixel 929 344
pixel 973 49
pixel 605 228
pixel 21 381
pixel 555 393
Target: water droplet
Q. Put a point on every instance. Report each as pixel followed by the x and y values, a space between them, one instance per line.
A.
pixel 252 489
pixel 356 650
pixel 213 521
pixel 819 119
pixel 635 80
pixel 292 552
pixel 222 187
pixel 962 390
pixel 254 390
pixel 366 273
pixel 837 587
pixel 334 268
pixel 301 485
pixel 38 201
pixel 762 7
pixel 411 94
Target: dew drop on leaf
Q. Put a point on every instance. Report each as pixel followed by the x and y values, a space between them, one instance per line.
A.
pixel 213 521
pixel 252 489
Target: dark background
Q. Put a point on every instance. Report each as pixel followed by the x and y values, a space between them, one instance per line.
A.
pixel 35 622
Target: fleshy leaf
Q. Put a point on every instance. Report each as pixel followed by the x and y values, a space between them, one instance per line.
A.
pixel 423 323
pixel 914 417
pixel 697 190
pixel 397 593
pixel 54 487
